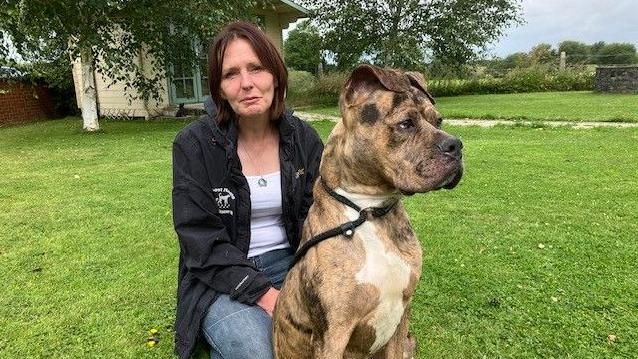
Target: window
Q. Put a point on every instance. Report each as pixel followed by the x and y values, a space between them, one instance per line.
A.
pixel 190 85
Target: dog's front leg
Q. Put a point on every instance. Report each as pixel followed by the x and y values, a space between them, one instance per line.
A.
pixel 399 346
pixel 334 342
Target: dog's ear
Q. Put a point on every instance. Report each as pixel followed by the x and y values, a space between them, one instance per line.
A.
pixel 418 80
pixel 366 78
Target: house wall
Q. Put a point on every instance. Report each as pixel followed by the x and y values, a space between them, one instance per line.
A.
pixel 276 22
pixel 22 102
pixel 113 101
pixel 273 29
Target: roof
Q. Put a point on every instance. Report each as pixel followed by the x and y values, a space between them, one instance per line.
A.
pixel 299 8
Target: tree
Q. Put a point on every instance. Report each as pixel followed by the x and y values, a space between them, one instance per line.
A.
pixel 109 36
pixel 303 48
pixel 543 54
pixel 400 33
pixel 517 59
pixel 594 51
pixel 576 52
pixel 617 54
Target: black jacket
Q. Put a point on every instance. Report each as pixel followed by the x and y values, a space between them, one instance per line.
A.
pixel 211 213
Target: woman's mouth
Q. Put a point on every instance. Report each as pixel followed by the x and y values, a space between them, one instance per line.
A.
pixel 250 100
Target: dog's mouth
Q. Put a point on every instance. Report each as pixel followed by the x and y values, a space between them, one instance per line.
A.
pixel 445 175
pixel 452 180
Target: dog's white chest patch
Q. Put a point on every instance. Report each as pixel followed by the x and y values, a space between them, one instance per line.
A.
pixel 389 273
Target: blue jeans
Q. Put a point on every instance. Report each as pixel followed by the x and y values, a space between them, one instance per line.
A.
pixel 238 331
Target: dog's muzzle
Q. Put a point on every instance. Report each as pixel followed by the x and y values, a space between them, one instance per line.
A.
pixel 452 148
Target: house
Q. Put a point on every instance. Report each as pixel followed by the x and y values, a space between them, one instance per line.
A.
pixel 187 87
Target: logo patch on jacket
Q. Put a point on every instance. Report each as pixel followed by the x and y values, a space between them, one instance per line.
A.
pixel 223 196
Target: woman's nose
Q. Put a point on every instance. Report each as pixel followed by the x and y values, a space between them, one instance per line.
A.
pixel 246 80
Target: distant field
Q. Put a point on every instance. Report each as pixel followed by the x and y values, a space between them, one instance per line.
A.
pixel 554 106
pixel 533 255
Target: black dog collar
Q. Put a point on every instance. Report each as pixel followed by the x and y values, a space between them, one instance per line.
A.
pixel 346 229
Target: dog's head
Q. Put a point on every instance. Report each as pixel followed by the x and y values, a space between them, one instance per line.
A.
pixel 390 134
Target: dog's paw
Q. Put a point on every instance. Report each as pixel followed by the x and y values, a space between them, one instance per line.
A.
pixel 409 347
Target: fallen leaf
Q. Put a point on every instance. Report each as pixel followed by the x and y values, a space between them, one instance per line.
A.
pixel 611 339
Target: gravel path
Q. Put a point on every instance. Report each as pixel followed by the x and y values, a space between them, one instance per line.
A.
pixel 307 116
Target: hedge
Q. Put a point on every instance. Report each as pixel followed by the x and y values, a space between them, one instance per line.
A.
pixel 305 90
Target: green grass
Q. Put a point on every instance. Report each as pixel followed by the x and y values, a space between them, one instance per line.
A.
pixel 555 106
pixel 89 256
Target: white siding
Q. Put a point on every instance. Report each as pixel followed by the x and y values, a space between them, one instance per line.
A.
pixel 114 100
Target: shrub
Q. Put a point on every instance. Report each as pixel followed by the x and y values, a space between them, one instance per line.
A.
pixel 532 79
pixel 304 89
pixel 329 87
pixel 300 85
pixel 326 89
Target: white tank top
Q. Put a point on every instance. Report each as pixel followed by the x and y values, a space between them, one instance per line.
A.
pixel 267 230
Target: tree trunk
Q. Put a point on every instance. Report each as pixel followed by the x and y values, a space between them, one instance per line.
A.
pixel 89 92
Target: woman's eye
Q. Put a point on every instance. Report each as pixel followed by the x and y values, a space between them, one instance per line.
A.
pixel 256 69
pixel 230 75
pixel 406 124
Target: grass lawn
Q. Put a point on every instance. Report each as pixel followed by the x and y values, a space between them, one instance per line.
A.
pixel 554 106
pixel 532 256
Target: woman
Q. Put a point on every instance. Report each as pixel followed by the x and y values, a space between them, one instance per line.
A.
pixel 242 186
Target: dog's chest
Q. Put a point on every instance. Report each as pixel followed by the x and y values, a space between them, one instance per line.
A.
pixel 389 273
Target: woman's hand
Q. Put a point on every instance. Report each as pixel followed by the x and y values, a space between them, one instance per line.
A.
pixel 268 300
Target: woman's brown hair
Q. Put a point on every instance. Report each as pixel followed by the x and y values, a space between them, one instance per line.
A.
pixel 267 54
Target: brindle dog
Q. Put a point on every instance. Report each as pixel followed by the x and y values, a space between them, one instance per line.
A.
pixel 349 296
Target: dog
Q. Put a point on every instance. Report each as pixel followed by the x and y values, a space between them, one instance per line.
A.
pixel 222 200
pixel 349 295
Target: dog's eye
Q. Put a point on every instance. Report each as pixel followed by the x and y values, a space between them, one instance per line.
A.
pixel 406 124
pixel 439 122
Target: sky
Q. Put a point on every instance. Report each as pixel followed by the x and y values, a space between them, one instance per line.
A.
pixel 553 21
pixel 588 21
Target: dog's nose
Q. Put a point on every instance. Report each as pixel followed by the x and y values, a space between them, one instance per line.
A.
pixel 451 146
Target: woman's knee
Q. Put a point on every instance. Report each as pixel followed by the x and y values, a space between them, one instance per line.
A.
pixel 237 331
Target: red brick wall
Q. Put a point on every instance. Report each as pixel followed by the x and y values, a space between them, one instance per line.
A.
pixel 21 102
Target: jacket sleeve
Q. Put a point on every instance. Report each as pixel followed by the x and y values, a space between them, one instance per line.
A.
pixel 315 150
pixel 205 244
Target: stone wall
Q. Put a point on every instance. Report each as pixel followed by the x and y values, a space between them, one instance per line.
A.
pixel 616 79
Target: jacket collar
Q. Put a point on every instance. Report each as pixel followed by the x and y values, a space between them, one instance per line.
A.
pixel 227 133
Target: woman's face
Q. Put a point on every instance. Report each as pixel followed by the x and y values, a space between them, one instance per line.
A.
pixel 247 86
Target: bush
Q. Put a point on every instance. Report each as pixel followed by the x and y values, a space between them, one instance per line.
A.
pixel 329 87
pixel 58 78
pixel 305 91
pixel 530 79
pixel 441 88
pixel 300 85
